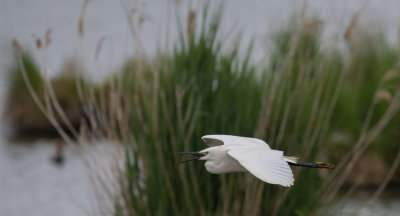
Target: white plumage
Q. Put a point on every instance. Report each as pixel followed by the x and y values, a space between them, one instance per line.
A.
pixel 228 153
pixel 239 154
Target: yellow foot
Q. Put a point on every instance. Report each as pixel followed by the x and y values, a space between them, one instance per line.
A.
pixel 325 165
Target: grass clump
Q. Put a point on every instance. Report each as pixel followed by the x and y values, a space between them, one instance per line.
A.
pixel 201 90
pixel 18 97
pixel 51 93
pixel 195 91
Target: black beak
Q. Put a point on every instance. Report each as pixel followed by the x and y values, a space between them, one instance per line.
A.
pixel 195 156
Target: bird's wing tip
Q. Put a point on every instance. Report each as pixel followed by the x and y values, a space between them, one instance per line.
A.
pixel 213 140
pixel 287 184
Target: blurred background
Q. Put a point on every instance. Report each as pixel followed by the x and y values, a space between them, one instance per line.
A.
pixel 98 96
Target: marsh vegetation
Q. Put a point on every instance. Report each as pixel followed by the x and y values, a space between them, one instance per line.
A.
pixel 316 103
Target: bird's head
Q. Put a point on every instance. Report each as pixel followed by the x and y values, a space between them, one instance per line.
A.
pixel 201 155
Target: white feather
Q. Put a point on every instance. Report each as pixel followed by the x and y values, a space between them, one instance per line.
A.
pixel 269 166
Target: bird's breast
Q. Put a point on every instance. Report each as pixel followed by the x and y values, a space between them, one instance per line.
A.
pixel 224 166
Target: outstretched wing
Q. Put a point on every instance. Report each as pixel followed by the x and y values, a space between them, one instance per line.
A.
pixel 217 140
pixel 267 165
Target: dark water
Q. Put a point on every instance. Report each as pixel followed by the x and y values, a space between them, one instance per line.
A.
pixel 31 184
pixel 387 204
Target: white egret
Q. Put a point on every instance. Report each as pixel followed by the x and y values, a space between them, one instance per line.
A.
pixel 228 154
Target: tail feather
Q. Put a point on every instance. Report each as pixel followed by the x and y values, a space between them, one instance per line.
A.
pixel 291 159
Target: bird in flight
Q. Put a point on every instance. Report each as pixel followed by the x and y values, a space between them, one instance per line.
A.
pixel 227 153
